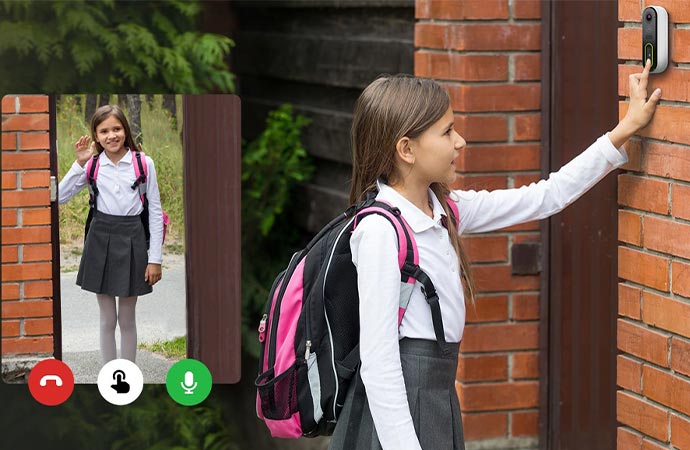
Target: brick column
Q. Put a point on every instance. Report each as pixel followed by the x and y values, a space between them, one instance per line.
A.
pixel 27 287
pixel 653 401
pixel 492 71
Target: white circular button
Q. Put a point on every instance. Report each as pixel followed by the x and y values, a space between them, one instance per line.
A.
pixel 120 382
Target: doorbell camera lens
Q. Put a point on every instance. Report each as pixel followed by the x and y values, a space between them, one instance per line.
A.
pixel 649 17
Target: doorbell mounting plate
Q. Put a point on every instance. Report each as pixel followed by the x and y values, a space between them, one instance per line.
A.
pixel 655 38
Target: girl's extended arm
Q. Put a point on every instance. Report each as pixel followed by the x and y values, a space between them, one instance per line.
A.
pixel 73 182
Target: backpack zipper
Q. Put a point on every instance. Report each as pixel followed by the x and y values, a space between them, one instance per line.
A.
pixel 264 319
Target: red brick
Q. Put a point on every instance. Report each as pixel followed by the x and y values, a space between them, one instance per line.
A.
pixel 527 67
pixel 642 416
pixel 9 105
pixel 634 150
pixel 649 445
pixel 525 423
pixel 26 198
pixel 630 227
pixel 629 43
pixel 35 179
pixel 20 309
pixel 482 128
pixel 667 236
pixel 9 217
pixel 629 374
pixel 527 9
pixel 643 268
pixel 525 365
pixel 527 127
pixel 32 253
pixel 666 313
pixel 682 39
pixel 627 440
pixel 499 158
pixel 34 141
pixel 491 308
pixel 468 182
pixel 643 193
pixel 680 278
pixel 25 160
pixel 459 10
pixel 666 389
pixel 9 141
pixel 37 327
pixel 10 291
pixel 492 37
pixel 525 306
pixel 38 289
pixel 485 425
pixel 487 248
pixel 495 97
pixel 9 180
pixel 668 123
pixel 431 35
pixel 629 10
pixel 519 238
pixel 500 396
pixel 36 216
pixel 500 278
pixel 459 67
pixel 681 201
pixel 503 337
pixel 665 160
pixel 680 432
pixel 10 328
pixel 629 301
pixel 33 103
pixel 482 368
pixel 27 345
pixel 10 254
pixel 25 122
pixel 643 342
pixel 525 179
pixel 24 271
pixel 680 355
pixel 31 235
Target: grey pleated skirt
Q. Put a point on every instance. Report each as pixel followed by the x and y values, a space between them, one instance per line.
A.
pixel 115 257
pixel 430 385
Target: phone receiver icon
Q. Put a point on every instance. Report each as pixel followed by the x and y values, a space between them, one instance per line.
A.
pixel 54 378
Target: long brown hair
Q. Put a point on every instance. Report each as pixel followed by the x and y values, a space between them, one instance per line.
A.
pixel 103 113
pixel 390 108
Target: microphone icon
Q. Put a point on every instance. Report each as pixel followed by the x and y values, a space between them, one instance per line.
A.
pixel 189 384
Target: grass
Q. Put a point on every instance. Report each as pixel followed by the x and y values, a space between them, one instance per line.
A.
pixel 161 141
pixel 174 349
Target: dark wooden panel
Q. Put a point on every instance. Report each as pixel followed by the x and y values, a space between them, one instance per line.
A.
pixel 583 239
pixel 212 169
pixel 55 231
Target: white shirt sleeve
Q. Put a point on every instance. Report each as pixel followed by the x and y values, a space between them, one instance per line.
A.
pixel 487 211
pixel 155 215
pixel 375 254
pixel 73 182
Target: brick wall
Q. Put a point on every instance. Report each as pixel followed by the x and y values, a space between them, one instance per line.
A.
pixel 487 53
pixel 653 400
pixel 27 307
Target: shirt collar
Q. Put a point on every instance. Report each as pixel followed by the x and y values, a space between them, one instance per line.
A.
pixel 414 216
pixel 127 159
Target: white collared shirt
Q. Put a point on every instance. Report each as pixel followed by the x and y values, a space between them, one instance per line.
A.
pixel 116 196
pixel 375 254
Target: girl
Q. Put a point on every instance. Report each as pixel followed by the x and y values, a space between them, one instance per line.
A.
pixel 405 148
pixel 114 262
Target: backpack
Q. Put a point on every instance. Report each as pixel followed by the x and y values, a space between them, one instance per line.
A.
pixel 141 172
pixel 309 333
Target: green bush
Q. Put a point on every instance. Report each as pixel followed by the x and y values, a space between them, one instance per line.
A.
pixel 272 165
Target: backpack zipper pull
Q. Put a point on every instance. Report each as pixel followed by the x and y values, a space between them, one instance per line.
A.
pixel 308 351
pixel 262 328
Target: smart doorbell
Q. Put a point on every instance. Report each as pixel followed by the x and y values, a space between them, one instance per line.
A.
pixel 655 38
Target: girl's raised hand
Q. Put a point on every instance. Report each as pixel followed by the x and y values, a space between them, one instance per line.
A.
pixel 641 110
pixel 84 149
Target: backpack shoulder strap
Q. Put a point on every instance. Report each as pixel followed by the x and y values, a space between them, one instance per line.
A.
pixel 455 213
pixel 141 173
pixel 92 166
